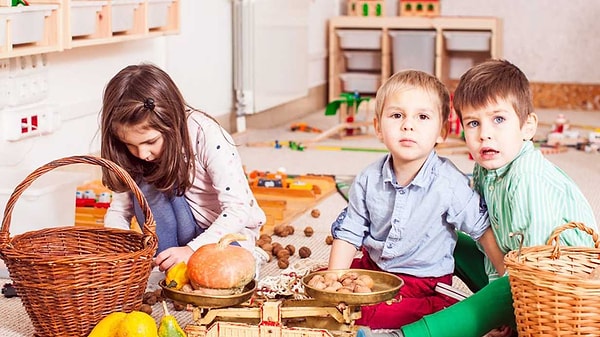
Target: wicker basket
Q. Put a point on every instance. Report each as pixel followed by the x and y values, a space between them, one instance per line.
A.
pixel 69 278
pixel 552 289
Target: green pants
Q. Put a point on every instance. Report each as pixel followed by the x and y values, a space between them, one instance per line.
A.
pixel 488 308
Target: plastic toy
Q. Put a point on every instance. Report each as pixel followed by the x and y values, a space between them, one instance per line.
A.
pixel 419 8
pixel 366 8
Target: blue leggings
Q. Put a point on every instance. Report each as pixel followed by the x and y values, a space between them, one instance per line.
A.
pixel 175 223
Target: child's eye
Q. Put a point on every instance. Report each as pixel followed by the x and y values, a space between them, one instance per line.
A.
pixel 472 124
pixel 498 119
pixel 423 117
pixel 396 115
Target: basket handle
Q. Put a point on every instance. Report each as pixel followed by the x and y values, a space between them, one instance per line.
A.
pixel 148 226
pixel 554 238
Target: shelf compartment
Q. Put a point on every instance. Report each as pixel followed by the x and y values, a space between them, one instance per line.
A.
pixel 158 13
pixel 413 49
pixel 360 82
pixel 84 17
pixel 467 41
pixel 363 60
pixel 359 38
pixel 123 15
pixel 28 24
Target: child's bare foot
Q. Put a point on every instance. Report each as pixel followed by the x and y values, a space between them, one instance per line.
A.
pixel 366 332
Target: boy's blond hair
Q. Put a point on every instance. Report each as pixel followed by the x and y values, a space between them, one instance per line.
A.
pixel 491 81
pixel 411 79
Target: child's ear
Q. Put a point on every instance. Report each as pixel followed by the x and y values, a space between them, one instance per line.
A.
pixel 444 132
pixel 377 128
pixel 529 128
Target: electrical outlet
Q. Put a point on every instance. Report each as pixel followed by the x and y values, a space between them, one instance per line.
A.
pixel 28 122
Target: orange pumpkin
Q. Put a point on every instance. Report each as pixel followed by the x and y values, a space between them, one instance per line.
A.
pixel 220 268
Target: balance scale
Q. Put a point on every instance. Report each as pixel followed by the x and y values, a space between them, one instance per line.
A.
pixel 320 314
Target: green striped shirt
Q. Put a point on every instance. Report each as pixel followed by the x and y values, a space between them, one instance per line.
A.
pixel 532 196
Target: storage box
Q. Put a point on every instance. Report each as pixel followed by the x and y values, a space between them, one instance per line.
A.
pixel 28 24
pixel 360 82
pixel 48 202
pixel 5 14
pixel 363 60
pixel 84 14
pixel 123 14
pixel 467 41
pixel 359 38
pixel 158 13
pixel 413 49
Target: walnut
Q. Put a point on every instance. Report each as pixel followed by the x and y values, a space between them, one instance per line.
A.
pixel 283 263
pixel 304 252
pixel 309 231
pixel 291 249
pixel 329 240
pixel 315 213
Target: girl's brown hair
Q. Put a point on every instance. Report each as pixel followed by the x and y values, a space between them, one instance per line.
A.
pixel 145 94
pixel 409 79
pixel 490 81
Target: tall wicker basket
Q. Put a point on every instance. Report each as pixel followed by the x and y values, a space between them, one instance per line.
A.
pixel 69 278
pixel 555 290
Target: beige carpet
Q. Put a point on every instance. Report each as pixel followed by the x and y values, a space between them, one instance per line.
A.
pixel 258 155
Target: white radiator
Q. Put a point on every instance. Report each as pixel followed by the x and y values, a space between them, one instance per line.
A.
pixel 270 47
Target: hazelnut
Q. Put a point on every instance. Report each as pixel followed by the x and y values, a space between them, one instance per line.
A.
pixel 290 229
pixel 283 254
pixel 146 308
pixel 315 213
pixel 149 298
pixel 267 247
pixel 283 263
pixel 178 306
pixel 265 237
pixel 280 230
pixel 304 252
pixel 291 249
pixel 309 231
pixel 329 240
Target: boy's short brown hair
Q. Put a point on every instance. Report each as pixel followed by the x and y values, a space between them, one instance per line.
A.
pixel 409 79
pixel 490 81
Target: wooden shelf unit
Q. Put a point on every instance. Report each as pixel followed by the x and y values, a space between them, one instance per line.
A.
pixel 439 25
pixel 57 34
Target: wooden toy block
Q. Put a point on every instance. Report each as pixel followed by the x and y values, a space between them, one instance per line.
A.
pixel 366 8
pixel 419 8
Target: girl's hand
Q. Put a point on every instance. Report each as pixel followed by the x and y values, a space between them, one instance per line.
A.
pixel 171 256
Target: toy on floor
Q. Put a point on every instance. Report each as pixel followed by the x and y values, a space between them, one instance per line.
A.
pixel 347 106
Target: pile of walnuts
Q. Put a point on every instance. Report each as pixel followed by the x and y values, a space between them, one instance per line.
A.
pixel 350 282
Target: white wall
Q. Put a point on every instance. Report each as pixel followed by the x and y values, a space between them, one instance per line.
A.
pixel 550 40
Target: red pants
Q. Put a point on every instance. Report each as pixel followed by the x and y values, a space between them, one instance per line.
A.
pixel 416 298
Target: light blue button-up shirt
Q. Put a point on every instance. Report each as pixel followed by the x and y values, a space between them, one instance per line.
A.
pixel 411 229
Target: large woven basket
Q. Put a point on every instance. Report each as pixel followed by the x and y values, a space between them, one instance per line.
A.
pixel 552 287
pixel 69 278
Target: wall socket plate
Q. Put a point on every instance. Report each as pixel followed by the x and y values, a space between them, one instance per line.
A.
pixel 28 121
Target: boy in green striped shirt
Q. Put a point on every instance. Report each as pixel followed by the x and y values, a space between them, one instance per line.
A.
pixel 524 193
